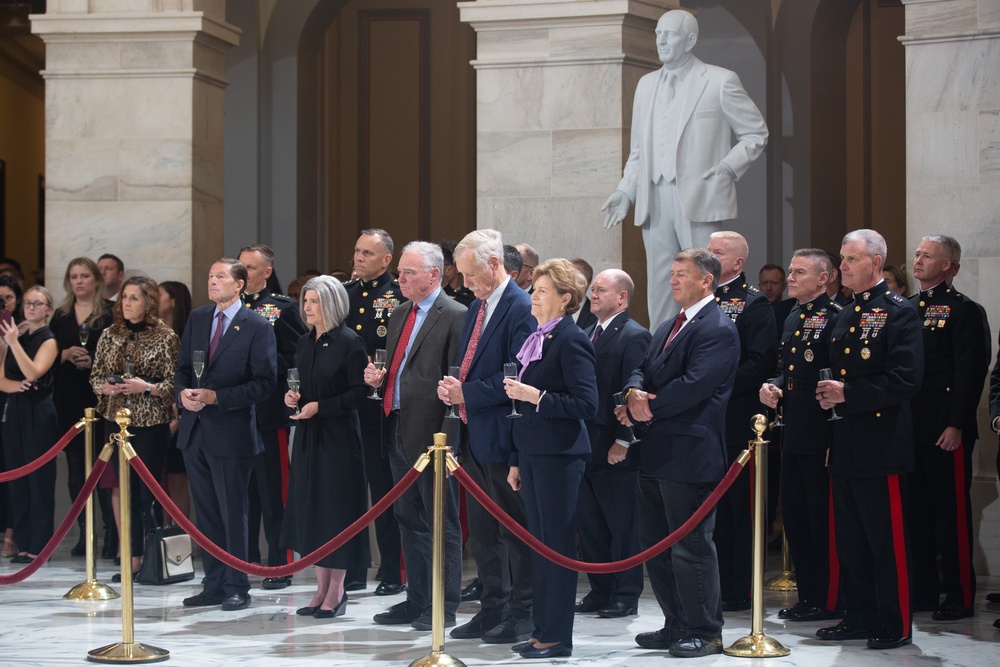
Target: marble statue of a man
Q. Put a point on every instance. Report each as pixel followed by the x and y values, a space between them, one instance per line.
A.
pixel 683 167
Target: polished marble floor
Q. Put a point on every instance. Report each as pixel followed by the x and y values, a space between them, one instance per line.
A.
pixel 38 627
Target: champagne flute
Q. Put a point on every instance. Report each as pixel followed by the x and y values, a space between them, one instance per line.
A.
pixel 84 337
pixel 452 413
pixel 827 374
pixel 510 371
pixel 620 401
pixel 777 423
pixel 128 372
pixel 293 385
pixel 379 365
pixel 198 366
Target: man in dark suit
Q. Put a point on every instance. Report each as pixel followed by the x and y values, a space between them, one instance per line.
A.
pixel 609 495
pixel 584 317
pixel 218 424
pixel 496 326
pixel 421 346
pixel 680 394
pixel 751 313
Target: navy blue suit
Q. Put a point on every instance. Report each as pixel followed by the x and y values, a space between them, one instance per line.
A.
pixel 219 442
pixel 609 495
pixel 683 458
pixel 551 446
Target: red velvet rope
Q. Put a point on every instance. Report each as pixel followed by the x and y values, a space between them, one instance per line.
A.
pixel 43 459
pixel 599 568
pixel 60 534
pixel 282 570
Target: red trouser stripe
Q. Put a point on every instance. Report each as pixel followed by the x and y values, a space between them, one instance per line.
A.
pixel 833 586
pixel 899 548
pixel 962 527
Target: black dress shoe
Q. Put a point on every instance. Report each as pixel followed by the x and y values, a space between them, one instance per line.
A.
pixel 789 612
pixel 735 604
pixel 339 610
pixel 810 613
pixel 402 613
pixel 696 645
pixel 660 640
pixel 510 631
pixel 356 586
pixel 426 623
pixel 205 599
pixel 993 597
pixel 80 548
pixel 556 651
pixel 473 591
pixel 236 601
pixel 475 628
pixel 589 604
pixel 306 611
pixel 389 589
pixel 618 609
pixel 887 641
pixel 276 583
pixel 517 648
pixel 949 611
pixel 842 632
pixel 22 559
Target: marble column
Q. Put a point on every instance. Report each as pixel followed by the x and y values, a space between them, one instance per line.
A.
pixel 953 180
pixel 134 129
pixel 555 80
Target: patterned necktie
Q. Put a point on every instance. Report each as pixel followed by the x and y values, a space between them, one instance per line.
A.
pixel 470 352
pixel 597 334
pixel 397 359
pixel 218 335
pixel 681 318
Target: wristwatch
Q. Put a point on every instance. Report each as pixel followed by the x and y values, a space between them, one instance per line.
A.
pixel 149 389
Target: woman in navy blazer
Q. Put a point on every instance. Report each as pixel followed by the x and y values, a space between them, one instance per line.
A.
pixel 557 388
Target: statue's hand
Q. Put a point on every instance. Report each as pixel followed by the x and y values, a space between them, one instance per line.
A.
pixel 721 169
pixel 617 207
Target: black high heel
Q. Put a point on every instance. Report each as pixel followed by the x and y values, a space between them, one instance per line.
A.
pixel 339 610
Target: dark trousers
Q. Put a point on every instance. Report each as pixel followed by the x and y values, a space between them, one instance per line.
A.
pixel 873 549
pixel 734 536
pixel 608 519
pixel 415 515
pixel 550 486
pixel 150 444
pixel 219 491
pixel 940 524
pixel 503 561
pixel 266 501
pixel 379 474
pixel 807 515
pixel 29 430
pixel 685 578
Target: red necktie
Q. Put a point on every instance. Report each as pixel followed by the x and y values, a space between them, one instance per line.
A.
pixel 218 335
pixel 470 352
pixel 681 318
pixel 397 359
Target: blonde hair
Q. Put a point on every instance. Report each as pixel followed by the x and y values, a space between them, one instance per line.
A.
pixel 566 278
pixel 47 295
pixel 98 308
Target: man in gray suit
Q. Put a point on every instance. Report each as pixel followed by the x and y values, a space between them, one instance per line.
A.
pixel 682 169
pixel 422 343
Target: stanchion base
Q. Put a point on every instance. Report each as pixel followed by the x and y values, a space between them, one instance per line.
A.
pixel 134 653
pixel 784 582
pixel 757 646
pixel 90 591
pixel 437 659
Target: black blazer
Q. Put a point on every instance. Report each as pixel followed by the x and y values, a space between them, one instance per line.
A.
pixel 566 372
pixel 586 319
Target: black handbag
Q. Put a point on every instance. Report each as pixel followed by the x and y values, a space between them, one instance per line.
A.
pixel 168 557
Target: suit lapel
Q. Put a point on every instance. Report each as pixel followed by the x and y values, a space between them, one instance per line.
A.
pixel 609 334
pixel 495 318
pixel 693 88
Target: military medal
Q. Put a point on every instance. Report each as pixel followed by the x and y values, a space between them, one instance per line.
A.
pixel 381 331
pixel 808 354
pixel 866 353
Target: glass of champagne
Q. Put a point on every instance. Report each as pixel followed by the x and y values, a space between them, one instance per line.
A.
pixel 620 401
pixel 452 413
pixel 379 362
pixel 84 337
pixel 827 374
pixel 293 385
pixel 198 366
pixel 510 371
pixel 128 372
pixel 777 423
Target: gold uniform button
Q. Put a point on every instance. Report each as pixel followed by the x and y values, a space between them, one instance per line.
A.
pixel 878 414
pixel 791 367
pixel 364 294
pixel 922 304
pixel 793 350
pixel 802 316
pixel 847 350
pixel 852 329
pixel 358 327
pixel 947 388
pixel 857 309
pixel 843 372
pixel 798 333
pixel 361 310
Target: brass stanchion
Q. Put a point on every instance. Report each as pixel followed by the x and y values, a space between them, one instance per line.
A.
pixel 757 644
pixel 127 650
pixel 91 589
pixel 784 582
pixel 437 655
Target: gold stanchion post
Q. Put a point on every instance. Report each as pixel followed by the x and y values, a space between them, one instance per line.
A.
pixel 91 589
pixel 437 656
pixel 757 644
pixel 127 650
pixel 784 582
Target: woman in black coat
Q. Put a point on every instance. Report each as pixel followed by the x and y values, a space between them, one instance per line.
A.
pixel 557 387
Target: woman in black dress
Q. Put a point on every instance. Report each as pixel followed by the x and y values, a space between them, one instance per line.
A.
pixel 77 325
pixel 326 486
pixel 29 422
pixel 10 302
pixel 175 306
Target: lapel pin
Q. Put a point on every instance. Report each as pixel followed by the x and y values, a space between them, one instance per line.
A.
pixel 237 327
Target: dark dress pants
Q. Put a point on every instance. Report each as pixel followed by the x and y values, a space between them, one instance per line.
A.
pixel 685 578
pixel 266 500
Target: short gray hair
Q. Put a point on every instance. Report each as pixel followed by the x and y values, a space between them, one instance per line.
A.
pixel 951 246
pixel 333 302
pixel 820 257
pixel 706 262
pixel 483 244
pixel 430 253
pixel 872 240
pixel 383 237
